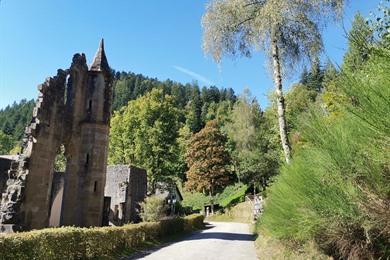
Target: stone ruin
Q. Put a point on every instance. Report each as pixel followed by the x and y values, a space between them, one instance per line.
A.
pixel 73 111
pixel 126 187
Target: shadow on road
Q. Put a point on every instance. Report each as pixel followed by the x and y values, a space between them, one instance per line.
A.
pixel 222 236
pixel 198 236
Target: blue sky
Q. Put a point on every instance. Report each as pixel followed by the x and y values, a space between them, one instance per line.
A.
pixel 156 38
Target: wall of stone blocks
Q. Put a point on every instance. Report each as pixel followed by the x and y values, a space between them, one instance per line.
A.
pixel 126 186
pixel 137 189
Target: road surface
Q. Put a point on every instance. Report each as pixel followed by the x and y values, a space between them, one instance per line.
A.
pixel 222 240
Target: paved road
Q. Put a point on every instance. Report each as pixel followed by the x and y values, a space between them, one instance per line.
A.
pixel 221 240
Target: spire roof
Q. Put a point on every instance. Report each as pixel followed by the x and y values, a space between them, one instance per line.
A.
pixel 100 62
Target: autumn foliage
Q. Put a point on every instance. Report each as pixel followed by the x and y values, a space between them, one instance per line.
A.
pixel 208 161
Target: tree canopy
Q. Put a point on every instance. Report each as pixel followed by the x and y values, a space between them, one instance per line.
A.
pixel 208 161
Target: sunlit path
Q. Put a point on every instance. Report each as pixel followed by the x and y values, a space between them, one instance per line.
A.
pixel 220 241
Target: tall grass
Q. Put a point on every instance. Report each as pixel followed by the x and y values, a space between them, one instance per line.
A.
pixel 336 191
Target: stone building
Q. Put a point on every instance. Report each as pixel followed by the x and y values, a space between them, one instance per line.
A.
pixel 126 187
pixel 73 110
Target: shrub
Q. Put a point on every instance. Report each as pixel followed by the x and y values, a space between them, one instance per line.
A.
pixel 87 243
pixel 336 190
pixel 153 208
pixel 195 200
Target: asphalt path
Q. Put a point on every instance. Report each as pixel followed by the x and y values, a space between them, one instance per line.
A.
pixel 221 240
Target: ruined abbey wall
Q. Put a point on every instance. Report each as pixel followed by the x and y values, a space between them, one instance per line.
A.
pixel 73 111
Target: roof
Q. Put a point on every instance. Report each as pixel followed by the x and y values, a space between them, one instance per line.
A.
pixel 164 189
pixel 100 62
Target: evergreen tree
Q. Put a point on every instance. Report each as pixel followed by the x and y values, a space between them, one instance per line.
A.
pixel 15 118
pixel 6 143
pixel 360 36
pixel 194 120
pixel 313 79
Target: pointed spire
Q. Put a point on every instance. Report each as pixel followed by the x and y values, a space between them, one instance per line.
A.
pixel 100 62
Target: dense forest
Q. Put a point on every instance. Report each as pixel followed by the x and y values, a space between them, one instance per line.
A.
pixel 127 86
pixel 13 121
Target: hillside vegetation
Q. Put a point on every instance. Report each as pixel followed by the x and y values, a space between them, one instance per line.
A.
pixel 336 190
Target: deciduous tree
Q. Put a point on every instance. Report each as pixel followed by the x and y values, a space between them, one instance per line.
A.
pixel 254 156
pixel 287 30
pixel 208 161
pixel 144 133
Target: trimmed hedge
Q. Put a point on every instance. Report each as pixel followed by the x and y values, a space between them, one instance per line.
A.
pixel 85 243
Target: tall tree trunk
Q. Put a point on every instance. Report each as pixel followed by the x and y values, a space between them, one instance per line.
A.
pixel 279 95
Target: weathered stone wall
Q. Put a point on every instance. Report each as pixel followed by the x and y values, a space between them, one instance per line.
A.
pixel 126 186
pixel 5 164
pixel 137 189
pixel 73 109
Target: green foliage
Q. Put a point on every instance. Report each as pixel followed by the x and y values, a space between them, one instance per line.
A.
pixel 91 243
pixel 60 160
pixel 195 200
pixel 6 143
pixel 229 196
pixel 360 36
pixel 336 189
pixel 194 108
pixel 255 158
pixel 298 100
pixel 14 118
pixel 129 86
pixel 313 79
pixel 144 134
pixel 232 195
pixel 153 208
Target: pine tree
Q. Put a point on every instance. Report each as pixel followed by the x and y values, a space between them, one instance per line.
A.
pixel 194 120
pixel 360 36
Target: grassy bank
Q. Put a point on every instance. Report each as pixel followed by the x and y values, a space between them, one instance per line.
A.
pixel 241 212
pixel 88 243
pixel 335 192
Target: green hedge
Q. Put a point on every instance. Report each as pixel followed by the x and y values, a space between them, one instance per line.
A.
pixel 84 243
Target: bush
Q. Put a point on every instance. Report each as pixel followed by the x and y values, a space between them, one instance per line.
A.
pixel 195 200
pixel 336 190
pixel 153 208
pixel 87 243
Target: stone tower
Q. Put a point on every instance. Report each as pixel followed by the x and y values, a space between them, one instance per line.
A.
pixel 73 111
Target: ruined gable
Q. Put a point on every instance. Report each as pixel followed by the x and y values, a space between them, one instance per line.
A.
pixel 73 110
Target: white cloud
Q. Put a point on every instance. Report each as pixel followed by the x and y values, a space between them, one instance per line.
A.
pixel 194 75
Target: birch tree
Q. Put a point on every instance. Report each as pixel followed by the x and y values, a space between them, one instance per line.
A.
pixel 288 31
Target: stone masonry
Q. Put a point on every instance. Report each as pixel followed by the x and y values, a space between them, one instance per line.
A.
pixel 73 109
pixel 125 188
